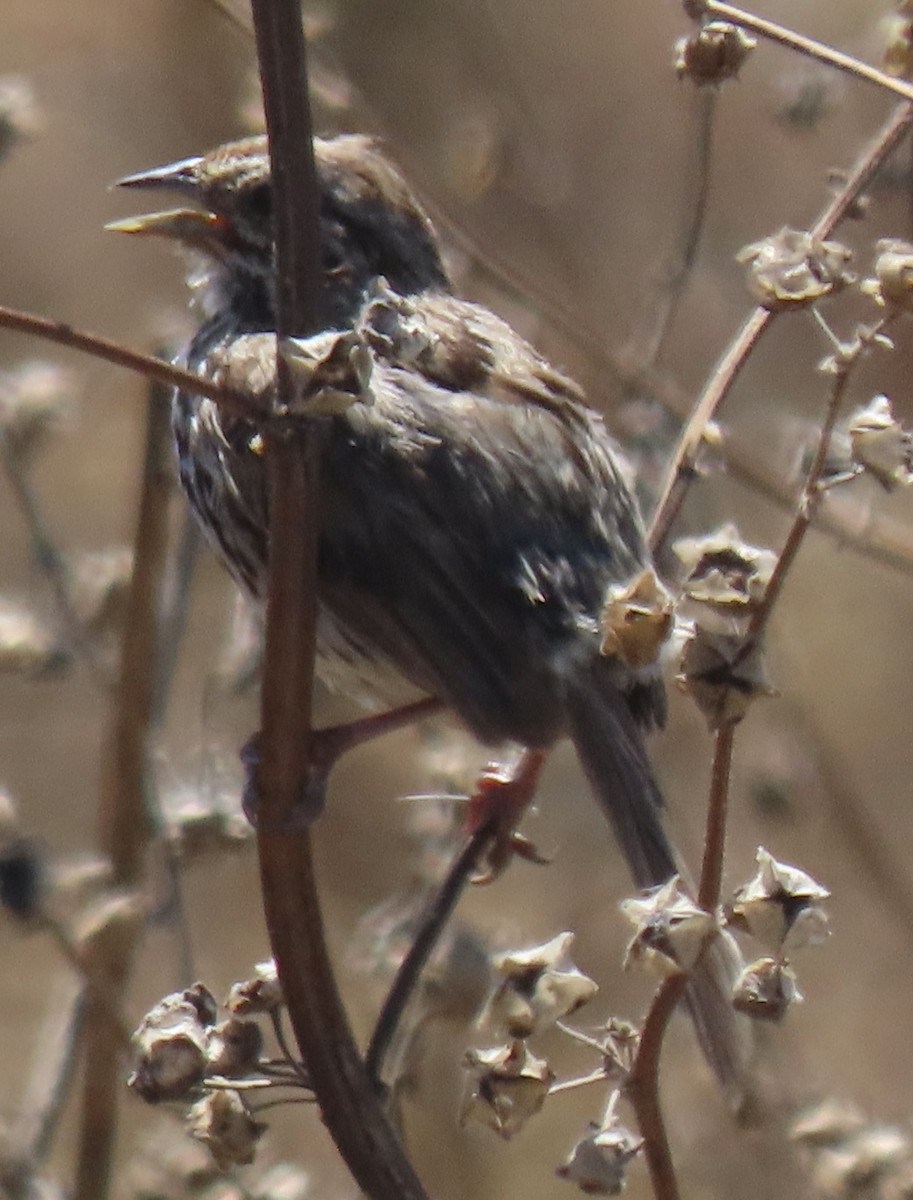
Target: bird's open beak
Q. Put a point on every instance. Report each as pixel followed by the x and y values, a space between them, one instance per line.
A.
pixel 179 175
pixel 189 225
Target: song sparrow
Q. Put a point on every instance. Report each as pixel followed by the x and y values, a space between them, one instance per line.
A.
pixel 475 511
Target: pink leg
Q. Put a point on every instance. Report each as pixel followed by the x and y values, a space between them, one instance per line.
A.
pixel 328 746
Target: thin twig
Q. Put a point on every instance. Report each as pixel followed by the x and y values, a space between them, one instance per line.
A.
pixel 431 925
pixel 571 1085
pixel 62 334
pixel 288 1057
pixel 808 504
pixel 708 896
pixel 642 1088
pixel 685 254
pixel 810 47
pixel 51 1075
pixel 522 780
pixel 682 469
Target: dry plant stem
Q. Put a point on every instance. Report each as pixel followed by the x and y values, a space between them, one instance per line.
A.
pixel 123 816
pixel 808 506
pixel 288 1058
pixel 524 776
pixel 572 1085
pixel 642 1088
pixel 708 896
pixel 883 539
pixel 51 1074
pixel 811 48
pixel 348 1103
pixel 143 364
pixel 431 925
pixel 684 255
pixel 682 469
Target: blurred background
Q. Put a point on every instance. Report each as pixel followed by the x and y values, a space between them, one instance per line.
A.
pixel 560 156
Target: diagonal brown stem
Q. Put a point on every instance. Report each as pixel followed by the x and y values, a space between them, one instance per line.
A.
pixel 143 364
pixel 682 469
pixel 810 47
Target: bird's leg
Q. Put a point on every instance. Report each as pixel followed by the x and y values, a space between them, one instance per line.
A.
pixel 501 797
pixel 327 747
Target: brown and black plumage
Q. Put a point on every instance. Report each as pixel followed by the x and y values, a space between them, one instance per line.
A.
pixel 475 511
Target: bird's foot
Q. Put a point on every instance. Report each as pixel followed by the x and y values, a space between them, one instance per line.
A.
pixel 310 801
pixel 502 796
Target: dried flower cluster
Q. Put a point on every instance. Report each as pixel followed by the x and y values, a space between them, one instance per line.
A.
pixel 537 987
pixel 670 929
pixel 713 55
pixel 782 908
pixel 725 579
pixel 184 1052
pixel 507 1085
pixel 880 445
pixel 793 269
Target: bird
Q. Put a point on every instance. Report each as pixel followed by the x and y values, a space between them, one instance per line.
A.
pixel 475 510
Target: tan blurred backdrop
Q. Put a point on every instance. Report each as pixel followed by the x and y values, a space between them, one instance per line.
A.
pixel 555 137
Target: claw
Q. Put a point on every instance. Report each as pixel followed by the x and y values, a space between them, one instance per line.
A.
pixel 501 798
pixel 308 806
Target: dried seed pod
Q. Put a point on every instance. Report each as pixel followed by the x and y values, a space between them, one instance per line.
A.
pixel 507 1086
pixel 781 906
pixel 713 55
pixel 765 990
pixel 670 929
pixel 599 1161
pixel 792 269
pixel 221 1122
pixel 538 987
pixel 636 620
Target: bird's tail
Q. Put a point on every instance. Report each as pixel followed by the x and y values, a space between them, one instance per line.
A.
pixel 611 750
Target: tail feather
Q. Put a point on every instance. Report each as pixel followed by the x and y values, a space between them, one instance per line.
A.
pixel 611 750
pixel 610 746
